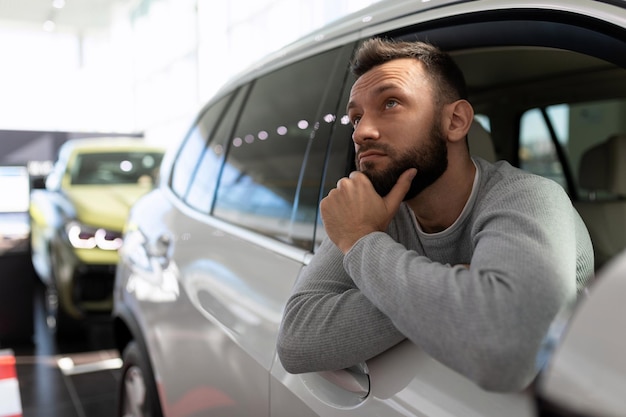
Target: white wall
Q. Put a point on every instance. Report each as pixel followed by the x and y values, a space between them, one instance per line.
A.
pixel 152 70
pixel 186 49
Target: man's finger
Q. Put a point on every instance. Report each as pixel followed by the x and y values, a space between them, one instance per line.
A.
pixel 397 193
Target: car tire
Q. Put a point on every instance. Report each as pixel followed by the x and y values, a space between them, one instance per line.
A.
pixel 137 389
pixel 58 321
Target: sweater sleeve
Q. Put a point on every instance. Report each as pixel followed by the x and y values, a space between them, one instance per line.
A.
pixel 487 321
pixel 328 323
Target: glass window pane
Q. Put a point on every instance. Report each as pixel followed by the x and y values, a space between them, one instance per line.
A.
pixel 191 150
pixel 280 127
pixel 537 153
pixel 578 127
pixel 116 168
pixel 589 125
pixel 341 157
pixel 202 188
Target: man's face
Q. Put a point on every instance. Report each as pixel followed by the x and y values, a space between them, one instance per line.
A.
pixel 397 126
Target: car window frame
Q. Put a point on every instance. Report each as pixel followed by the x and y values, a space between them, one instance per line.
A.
pixel 339 73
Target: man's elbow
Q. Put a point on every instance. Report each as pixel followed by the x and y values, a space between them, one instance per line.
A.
pixel 505 381
pixel 292 355
pixel 504 372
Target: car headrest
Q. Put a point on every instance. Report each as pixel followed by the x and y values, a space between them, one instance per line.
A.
pixel 480 143
pixel 603 167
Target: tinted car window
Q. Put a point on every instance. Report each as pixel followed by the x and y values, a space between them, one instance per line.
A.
pixel 202 187
pixel 569 130
pixel 115 168
pixel 341 156
pixel 191 151
pixel 284 124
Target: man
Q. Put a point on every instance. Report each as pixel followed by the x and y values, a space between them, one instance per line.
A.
pixel 469 260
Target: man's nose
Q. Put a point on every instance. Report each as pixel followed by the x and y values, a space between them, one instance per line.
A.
pixel 365 130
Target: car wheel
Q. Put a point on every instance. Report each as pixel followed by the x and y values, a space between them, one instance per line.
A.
pixel 137 395
pixel 58 321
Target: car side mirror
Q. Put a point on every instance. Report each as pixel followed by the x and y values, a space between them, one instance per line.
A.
pixel 586 374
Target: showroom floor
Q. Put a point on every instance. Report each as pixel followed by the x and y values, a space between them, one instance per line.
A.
pixel 73 379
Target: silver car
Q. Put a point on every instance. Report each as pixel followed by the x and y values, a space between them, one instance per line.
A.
pixel 210 256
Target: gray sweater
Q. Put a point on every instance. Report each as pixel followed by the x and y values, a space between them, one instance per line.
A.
pixel 529 253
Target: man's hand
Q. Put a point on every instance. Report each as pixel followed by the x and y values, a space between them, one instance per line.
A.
pixel 354 209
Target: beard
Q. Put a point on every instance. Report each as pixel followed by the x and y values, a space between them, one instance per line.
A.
pixel 431 161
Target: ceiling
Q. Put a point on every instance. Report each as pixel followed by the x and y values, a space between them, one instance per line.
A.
pixel 75 15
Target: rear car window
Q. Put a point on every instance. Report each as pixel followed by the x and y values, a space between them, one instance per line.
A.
pixel 554 139
pixel 204 183
pixel 265 185
pixel 194 145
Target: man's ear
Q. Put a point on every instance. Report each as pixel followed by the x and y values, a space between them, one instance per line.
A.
pixel 460 116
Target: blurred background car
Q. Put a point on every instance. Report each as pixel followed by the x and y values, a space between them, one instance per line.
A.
pixel 77 221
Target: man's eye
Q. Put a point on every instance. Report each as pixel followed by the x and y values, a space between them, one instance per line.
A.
pixel 390 103
pixel 356 120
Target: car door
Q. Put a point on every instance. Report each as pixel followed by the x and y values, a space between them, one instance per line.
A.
pixel 234 247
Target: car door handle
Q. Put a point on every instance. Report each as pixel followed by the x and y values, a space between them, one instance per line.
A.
pixel 354 379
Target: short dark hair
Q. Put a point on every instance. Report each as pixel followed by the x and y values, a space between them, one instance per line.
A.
pixel 446 76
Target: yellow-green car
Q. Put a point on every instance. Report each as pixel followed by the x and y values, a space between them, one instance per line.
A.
pixel 77 221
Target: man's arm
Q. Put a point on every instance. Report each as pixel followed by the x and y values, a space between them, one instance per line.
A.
pixel 486 322
pixel 328 323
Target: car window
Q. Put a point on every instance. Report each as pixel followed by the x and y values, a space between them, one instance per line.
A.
pixel 104 168
pixel 553 140
pixel 341 157
pixel 192 149
pixel 266 185
pixel 202 187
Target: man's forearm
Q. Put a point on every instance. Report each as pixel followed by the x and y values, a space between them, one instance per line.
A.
pixel 328 323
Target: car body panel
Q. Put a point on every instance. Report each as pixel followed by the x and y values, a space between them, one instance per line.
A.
pixel 404 381
pixel 229 308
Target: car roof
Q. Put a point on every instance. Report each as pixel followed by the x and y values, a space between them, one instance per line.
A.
pixel 377 18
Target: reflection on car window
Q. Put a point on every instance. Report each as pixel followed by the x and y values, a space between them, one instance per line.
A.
pixel 578 127
pixel 202 188
pixel 191 151
pixel 537 151
pixel 280 129
pixel 340 158
pixel 116 168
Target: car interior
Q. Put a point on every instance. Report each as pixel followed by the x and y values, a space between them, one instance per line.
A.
pixel 605 210
pixel 551 101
